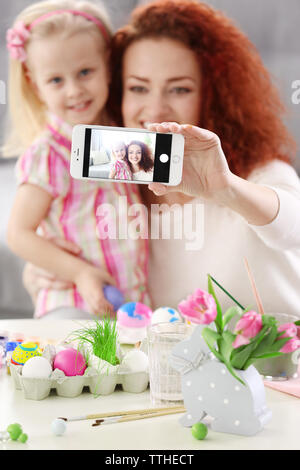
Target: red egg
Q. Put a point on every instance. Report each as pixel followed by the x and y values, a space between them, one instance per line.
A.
pixel 70 361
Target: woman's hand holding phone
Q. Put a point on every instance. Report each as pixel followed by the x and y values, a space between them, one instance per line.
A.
pixel 205 168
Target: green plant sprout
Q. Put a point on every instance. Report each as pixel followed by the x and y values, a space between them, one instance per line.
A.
pixel 102 338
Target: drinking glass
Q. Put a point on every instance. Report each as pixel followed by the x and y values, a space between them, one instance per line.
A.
pixel 165 382
pixel 282 367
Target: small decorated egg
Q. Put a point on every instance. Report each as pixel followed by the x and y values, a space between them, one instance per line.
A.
pixel 165 315
pixel 134 315
pixel 133 318
pixel 70 361
pixel 23 352
pixel 37 368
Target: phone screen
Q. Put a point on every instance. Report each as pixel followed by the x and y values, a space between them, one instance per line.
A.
pixel 127 155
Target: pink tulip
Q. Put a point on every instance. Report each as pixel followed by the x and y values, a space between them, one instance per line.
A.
pixel 200 307
pixel 240 340
pixel 248 326
pixel 292 345
pixel 290 330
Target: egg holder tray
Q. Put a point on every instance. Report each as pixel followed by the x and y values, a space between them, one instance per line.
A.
pixel 100 380
pixel 71 387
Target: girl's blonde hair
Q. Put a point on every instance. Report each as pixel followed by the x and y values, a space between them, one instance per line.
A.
pixel 117 145
pixel 27 115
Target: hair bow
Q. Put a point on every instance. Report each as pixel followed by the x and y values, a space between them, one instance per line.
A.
pixel 15 41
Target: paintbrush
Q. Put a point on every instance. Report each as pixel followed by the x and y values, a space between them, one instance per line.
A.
pixel 126 418
pixel 123 413
pixel 254 289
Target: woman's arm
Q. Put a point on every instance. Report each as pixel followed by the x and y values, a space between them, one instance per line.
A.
pixel 206 175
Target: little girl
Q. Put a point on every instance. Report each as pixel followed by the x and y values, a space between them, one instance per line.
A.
pixel 120 169
pixel 58 78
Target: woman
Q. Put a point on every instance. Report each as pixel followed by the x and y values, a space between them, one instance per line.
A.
pixel 140 161
pixel 183 62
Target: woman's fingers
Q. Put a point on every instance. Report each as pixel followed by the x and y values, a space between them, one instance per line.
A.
pixel 202 135
pixel 158 188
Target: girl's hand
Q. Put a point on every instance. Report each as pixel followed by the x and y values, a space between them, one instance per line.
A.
pixel 205 168
pixel 90 282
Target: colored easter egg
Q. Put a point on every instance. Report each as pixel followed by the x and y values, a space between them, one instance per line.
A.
pixel 23 352
pixel 134 315
pixel 114 296
pixel 37 367
pixel 70 361
pixel 165 315
pixel 199 431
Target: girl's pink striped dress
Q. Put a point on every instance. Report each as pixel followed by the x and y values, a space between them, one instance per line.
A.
pixel 75 214
pixel 122 170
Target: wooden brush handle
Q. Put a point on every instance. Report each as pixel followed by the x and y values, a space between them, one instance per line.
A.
pixel 149 415
pixel 175 409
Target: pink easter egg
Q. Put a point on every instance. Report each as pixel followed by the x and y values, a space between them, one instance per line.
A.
pixel 70 361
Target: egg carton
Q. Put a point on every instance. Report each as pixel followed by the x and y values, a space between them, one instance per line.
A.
pixel 71 387
pixel 101 379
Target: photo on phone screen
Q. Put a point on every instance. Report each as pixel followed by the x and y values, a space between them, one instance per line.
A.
pixel 125 155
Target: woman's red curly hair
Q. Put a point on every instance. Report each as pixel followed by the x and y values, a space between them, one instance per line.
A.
pixel 239 102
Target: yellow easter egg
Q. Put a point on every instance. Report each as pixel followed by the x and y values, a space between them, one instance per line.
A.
pixel 25 351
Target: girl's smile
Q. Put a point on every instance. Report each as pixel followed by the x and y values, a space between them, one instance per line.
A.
pixel 71 79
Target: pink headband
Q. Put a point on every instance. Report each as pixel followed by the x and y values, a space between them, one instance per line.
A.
pixel 16 37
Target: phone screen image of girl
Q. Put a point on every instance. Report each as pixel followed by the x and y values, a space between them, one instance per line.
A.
pixel 120 169
pixel 140 160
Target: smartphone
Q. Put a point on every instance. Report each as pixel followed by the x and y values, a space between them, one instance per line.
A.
pixel 126 155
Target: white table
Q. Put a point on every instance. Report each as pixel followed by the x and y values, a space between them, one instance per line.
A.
pixel 163 433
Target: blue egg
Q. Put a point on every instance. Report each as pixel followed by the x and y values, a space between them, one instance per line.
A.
pixel 114 296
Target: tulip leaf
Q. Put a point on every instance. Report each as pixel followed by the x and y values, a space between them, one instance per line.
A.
pixel 232 371
pixel 297 323
pixel 225 345
pixel 211 337
pixel 241 355
pixel 266 355
pixel 231 313
pixel 278 344
pixel 267 341
pixel 218 319
pixel 269 320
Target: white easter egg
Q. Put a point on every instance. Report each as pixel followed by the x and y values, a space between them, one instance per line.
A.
pixel 165 315
pixel 37 368
pixel 134 361
pixel 58 426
